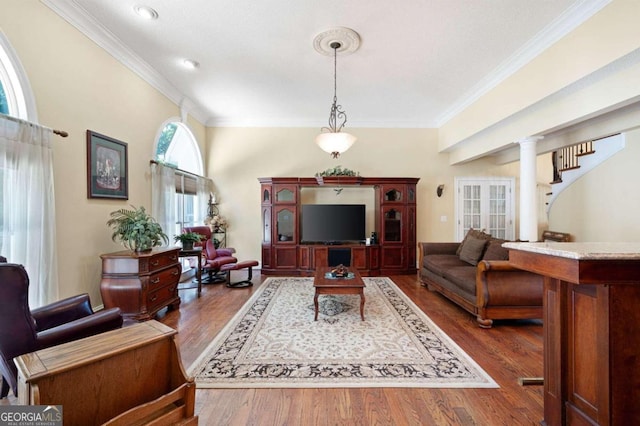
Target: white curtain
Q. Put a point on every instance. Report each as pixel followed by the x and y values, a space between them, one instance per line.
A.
pixel 203 189
pixel 163 198
pixel 28 221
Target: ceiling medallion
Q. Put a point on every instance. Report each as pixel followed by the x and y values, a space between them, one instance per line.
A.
pixel 349 41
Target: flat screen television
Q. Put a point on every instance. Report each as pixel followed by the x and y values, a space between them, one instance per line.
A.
pixel 332 223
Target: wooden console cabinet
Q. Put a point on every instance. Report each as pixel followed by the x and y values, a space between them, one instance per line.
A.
pixel 363 258
pixel 128 376
pixel 591 329
pixel 395 224
pixel 141 284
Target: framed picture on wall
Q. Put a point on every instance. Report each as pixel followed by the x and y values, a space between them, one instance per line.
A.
pixel 107 167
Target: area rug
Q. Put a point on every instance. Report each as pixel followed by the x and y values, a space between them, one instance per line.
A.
pixel 273 342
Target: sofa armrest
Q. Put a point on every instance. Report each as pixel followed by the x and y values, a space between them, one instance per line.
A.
pixel 101 321
pixel 62 311
pixel 499 283
pixel 496 265
pixel 437 248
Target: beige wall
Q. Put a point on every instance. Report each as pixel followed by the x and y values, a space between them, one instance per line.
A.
pixel 78 86
pixel 603 204
pixel 239 156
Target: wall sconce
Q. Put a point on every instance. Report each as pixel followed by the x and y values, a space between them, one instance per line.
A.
pixel 440 190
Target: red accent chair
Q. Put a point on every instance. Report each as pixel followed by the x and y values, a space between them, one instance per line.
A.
pixel 213 258
pixel 23 330
pixel 205 231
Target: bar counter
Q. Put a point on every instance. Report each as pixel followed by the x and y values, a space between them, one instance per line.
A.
pixel 591 314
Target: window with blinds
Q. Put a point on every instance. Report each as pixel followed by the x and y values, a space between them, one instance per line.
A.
pixel 176 146
pixel 186 194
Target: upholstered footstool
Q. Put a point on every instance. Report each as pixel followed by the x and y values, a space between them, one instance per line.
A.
pixel 247 264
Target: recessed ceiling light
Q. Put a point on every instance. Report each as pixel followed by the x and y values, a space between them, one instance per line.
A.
pixel 190 63
pixel 146 12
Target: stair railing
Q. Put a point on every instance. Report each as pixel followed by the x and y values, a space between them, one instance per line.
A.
pixel 567 158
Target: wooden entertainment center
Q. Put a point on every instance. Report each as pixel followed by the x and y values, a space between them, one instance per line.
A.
pixel 395 225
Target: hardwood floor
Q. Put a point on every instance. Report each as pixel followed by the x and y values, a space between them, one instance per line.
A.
pixel 511 349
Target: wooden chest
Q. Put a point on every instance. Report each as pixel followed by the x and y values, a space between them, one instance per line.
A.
pixel 130 376
pixel 141 284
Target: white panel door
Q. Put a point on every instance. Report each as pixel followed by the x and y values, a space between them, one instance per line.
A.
pixel 487 204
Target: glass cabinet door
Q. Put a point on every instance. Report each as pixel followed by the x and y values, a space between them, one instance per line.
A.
pixel 266 224
pixel 266 194
pixel 411 194
pixel 285 225
pixel 285 194
pixel 392 195
pixel 392 225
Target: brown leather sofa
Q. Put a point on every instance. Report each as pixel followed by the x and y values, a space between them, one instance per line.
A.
pixel 484 283
pixel 23 330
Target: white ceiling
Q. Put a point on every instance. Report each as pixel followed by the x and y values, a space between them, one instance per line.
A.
pixel 419 61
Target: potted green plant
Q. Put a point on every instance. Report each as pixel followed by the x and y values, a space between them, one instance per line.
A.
pixel 187 239
pixel 338 175
pixel 136 229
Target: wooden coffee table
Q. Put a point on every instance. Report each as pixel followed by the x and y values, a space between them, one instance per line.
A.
pixel 325 285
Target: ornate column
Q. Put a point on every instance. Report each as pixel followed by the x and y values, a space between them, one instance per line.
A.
pixel 528 182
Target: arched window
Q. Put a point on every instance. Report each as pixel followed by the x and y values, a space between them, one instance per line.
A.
pixel 177 147
pixel 4 104
pixel 16 98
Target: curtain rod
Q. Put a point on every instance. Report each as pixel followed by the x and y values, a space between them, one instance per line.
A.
pixel 19 120
pixel 177 169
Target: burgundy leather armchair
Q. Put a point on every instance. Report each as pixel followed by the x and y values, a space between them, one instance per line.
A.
pixel 23 330
pixel 213 257
pixel 205 231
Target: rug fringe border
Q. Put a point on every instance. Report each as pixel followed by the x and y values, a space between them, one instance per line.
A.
pixel 307 385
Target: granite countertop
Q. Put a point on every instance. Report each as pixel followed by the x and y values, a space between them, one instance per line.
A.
pixel 601 250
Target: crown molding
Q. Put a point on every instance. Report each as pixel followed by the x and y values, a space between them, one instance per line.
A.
pixel 299 123
pixel 578 13
pixel 75 15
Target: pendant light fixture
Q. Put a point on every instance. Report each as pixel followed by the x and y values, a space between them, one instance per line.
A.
pixel 332 139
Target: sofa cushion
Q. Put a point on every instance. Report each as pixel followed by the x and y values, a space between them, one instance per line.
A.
pixel 475 233
pixel 463 277
pixel 495 251
pixel 472 249
pixel 439 263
